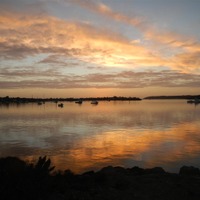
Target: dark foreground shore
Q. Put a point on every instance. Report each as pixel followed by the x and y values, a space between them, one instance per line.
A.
pixel 21 180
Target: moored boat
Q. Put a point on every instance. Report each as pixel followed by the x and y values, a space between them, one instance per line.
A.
pixel 60 105
pixel 195 101
pixel 94 102
pixel 79 102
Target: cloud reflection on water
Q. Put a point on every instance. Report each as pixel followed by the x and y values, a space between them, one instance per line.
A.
pixel 148 133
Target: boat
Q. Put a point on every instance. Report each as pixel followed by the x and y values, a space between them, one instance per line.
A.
pixel 39 103
pixel 94 102
pixel 190 101
pixel 60 105
pixel 79 102
pixel 195 101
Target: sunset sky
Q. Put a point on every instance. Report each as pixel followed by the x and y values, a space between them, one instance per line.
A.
pixel 79 48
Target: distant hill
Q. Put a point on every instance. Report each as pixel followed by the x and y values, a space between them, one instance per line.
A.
pixel 174 97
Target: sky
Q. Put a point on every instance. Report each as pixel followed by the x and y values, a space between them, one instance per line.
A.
pixel 90 48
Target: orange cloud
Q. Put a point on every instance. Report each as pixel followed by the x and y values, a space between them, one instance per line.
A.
pixel 31 35
pixel 24 35
pixel 163 39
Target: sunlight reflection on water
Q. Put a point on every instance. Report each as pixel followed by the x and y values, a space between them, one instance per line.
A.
pixel 147 134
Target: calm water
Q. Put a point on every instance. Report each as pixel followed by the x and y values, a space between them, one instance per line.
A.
pixel 84 137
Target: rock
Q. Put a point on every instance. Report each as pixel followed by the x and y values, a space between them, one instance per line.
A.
pixel 120 170
pixel 189 170
pixel 89 173
pixel 107 170
pixel 155 170
pixel 137 170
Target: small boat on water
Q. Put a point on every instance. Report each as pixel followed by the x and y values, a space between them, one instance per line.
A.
pixel 60 105
pixel 94 102
pixel 195 101
pixel 79 102
pixel 39 103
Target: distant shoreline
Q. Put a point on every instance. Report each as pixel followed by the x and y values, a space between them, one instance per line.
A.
pixel 36 100
pixel 8 99
pixel 187 97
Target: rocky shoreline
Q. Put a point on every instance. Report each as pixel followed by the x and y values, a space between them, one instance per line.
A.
pixel 21 180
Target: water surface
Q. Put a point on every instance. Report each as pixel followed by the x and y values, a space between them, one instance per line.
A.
pixel 85 137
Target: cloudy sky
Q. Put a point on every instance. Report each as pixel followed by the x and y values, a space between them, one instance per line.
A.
pixel 78 48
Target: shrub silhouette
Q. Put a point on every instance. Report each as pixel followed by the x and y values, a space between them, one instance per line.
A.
pixel 20 180
pixel 43 166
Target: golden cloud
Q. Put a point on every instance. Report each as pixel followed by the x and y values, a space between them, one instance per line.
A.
pixel 29 35
pixel 24 35
pixel 161 39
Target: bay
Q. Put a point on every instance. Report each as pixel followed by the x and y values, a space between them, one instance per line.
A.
pixel 84 137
